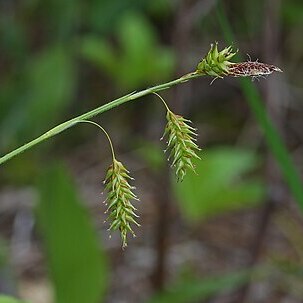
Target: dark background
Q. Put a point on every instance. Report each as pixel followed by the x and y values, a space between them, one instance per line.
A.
pixel 232 233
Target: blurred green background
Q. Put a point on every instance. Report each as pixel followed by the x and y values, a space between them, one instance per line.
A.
pixel 231 233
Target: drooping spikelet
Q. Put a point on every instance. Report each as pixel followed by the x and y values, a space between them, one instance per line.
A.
pixel 181 137
pixel 120 193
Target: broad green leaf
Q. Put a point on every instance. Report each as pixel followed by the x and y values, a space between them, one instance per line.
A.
pixel 140 60
pixel 100 53
pixel 6 299
pixel 51 85
pixel 47 87
pixel 195 290
pixel 77 265
pixel 143 59
pixel 220 185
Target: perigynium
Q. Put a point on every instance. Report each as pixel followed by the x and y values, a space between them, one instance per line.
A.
pixel 216 63
pixel 120 193
pixel 181 143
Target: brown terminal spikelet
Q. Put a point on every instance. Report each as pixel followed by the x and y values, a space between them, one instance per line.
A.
pixel 252 69
pixel 121 211
pixel 181 137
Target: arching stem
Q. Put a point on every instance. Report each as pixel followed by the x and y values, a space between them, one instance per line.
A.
pixel 104 131
pixel 165 104
pixel 97 111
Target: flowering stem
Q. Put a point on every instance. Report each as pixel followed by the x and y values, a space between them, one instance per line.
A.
pixel 99 110
pixel 104 131
pixel 165 104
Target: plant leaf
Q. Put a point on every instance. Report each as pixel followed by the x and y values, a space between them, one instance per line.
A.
pixel 220 185
pixel 195 290
pixel 77 266
pixel 6 299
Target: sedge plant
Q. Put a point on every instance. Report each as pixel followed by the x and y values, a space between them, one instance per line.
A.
pixel 181 136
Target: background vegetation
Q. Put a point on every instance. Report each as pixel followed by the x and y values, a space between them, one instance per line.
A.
pixel 231 234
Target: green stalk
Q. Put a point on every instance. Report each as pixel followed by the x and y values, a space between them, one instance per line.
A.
pixel 99 110
pixel 272 135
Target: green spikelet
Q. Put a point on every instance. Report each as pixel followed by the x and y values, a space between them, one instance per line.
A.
pixel 181 137
pixel 121 211
pixel 216 63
